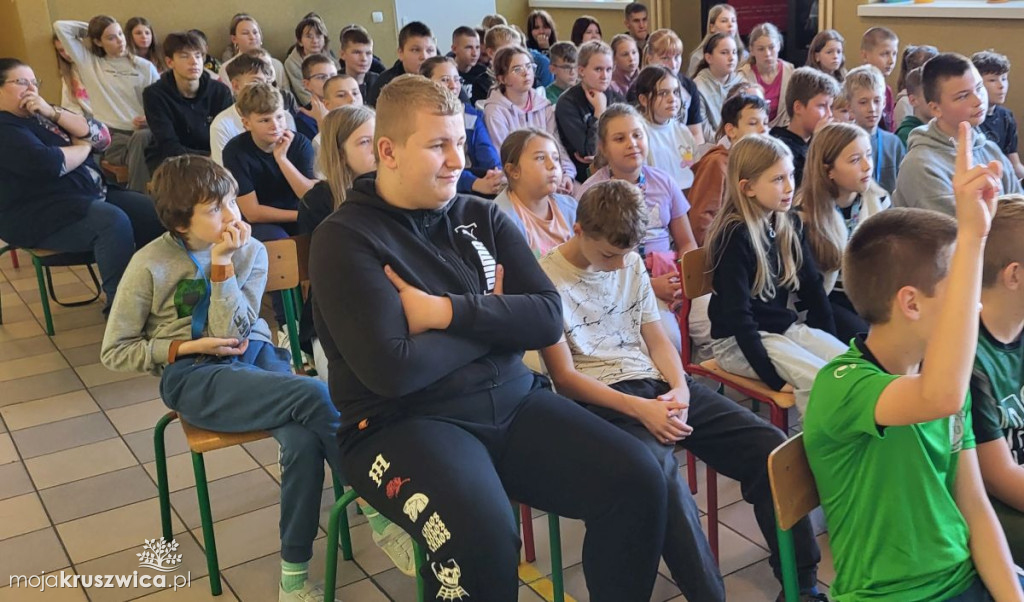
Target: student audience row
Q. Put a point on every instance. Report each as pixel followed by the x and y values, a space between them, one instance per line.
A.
pixel 607 175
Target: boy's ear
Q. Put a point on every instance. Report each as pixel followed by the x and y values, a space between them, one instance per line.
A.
pixel 386 156
pixel 907 302
pixel 169 61
pixel 577 230
pixel 1012 276
pixel 246 123
pixel 730 131
pixel 863 55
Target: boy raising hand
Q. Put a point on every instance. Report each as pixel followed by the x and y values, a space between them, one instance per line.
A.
pixel 890 414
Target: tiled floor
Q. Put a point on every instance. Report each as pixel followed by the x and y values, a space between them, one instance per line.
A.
pixel 77 485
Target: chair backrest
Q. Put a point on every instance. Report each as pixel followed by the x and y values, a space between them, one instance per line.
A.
pixel 696 276
pixel 283 265
pixel 793 489
pixel 302 252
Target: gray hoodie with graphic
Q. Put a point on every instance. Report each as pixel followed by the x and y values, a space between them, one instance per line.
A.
pixel 925 177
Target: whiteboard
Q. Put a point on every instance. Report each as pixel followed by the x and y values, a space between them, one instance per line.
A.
pixel 442 16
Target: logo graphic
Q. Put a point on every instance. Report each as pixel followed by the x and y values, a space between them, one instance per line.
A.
pixel 842 370
pixel 394 486
pixel 486 259
pixel 435 532
pixel 377 470
pixel 160 555
pixel 449 573
pixel 414 505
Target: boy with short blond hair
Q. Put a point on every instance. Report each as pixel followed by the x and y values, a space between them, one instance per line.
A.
pixel 415 45
pixel 192 318
pixel 451 307
pixel 955 93
pixel 357 58
pixel 997 407
pixel 880 47
pixel 809 101
pixel 617 361
pixel 893 414
pixel 563 67
pixel 1000 126
pixel 921 114
pixel 864 88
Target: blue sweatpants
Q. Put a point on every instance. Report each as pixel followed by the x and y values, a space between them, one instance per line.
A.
pixel 257 391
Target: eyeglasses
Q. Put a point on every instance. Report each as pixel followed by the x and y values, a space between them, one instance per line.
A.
pixel 566 67
pixel 321 77
pixel 448 79
pixel 522 70
pixel 23 82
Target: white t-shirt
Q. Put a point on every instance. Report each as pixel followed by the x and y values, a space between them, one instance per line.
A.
pixel 225 126
pixel 602 313
pixel 671 147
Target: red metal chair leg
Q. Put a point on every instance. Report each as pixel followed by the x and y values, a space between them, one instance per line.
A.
pixel 14 259
pixel 529 551
pixel 691 472
pixel 712 495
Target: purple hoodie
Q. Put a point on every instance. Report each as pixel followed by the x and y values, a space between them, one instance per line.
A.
pixel 502 118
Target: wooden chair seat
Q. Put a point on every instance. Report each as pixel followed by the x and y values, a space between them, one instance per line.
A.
pixel 783 400
pixel 119 172
pixel 201 440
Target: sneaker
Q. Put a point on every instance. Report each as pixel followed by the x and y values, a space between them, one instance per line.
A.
pixel 282 338
pixel 307 593
pixel 397 544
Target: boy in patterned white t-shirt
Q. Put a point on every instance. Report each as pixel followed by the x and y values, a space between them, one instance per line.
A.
pixel 616 360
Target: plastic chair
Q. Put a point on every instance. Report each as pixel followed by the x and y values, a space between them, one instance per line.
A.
pixel 795 495
pixel 337 527
pixel 697 283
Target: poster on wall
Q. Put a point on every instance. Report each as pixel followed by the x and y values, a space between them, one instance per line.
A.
pixel 751 12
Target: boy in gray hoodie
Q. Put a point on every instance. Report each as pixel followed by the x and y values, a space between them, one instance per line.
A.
pixel 188 310
pixel 955 92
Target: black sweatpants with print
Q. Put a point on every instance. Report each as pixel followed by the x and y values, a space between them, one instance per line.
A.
pixel 446 473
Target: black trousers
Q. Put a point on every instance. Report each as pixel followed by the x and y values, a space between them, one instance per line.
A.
pixel 445 471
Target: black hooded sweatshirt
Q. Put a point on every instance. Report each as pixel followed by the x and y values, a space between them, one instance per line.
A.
pixel 378 370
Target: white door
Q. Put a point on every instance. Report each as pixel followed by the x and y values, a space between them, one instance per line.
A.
pixel 442 16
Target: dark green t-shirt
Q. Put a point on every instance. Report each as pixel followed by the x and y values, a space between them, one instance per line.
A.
pixel 996 388
pixel 895 530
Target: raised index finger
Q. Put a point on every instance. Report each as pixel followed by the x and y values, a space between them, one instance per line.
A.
pixel 964 142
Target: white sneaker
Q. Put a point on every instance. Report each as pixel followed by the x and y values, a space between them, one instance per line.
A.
pixel 282 338
pixel 308 593
pixel 397 544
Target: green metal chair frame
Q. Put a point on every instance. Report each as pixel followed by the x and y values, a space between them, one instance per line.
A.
pixel 43 260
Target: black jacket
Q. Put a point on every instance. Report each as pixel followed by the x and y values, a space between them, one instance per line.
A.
pixel 379 370
pixel 384 79
pixel 181 126
pixel 734 312
pixel 798 146
pixel 577 125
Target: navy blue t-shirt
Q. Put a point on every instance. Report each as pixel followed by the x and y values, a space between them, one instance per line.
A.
pixel 306 125
pixel 257 171
pixel 1000 127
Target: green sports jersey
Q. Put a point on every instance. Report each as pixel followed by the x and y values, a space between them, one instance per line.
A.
pixel 996 390
pixel 894 527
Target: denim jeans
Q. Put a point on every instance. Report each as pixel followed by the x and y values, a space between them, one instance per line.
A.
pixel 112 230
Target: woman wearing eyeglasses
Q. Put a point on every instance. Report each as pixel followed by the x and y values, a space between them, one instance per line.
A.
pixel 52 195
pixel 515 104
pixel 482 175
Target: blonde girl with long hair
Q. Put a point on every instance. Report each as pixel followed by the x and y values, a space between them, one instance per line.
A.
pixel 721 19
pixel 758 257
pixel 837 194
pixel 766 69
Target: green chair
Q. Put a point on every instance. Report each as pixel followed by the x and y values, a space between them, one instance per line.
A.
pixel 201 441
pixel 337 527
pixel 795 495
pixel 43 260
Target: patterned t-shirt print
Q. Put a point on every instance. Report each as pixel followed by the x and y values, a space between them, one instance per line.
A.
pixel 187 296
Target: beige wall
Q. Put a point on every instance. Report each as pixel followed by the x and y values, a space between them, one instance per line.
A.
pixel 965 36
